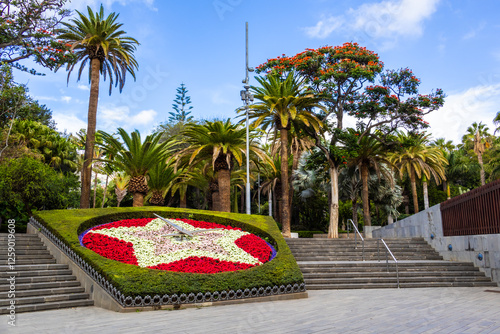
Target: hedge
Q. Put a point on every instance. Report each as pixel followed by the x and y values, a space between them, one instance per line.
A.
pixel 136 281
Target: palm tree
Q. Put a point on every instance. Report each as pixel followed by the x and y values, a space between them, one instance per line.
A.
pixel 496 120
pixel 162 178
pixel 283 100
pixel 136 158
pixel 121 182
pixel 222 143
pixel 416 159
pixel 478 135
pixel 98 41
pixel 370 154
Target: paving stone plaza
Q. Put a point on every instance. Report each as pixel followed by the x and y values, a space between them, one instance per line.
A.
pixel 428 310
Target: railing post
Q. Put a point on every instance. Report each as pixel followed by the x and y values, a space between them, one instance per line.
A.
pixel 378 250
pixel 397 273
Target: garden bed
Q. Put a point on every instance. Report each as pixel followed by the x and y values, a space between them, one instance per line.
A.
pixel 129 283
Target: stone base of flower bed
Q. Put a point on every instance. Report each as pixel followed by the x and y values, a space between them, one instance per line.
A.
pixel 106 296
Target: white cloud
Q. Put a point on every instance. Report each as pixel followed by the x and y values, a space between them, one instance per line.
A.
pixel 144 117
pixel 472 33
pixel 383 20
pixel 66 99
pixel 83 87
pixel 477 104
pixel 111 117
pixel 68 122
pixel 46 98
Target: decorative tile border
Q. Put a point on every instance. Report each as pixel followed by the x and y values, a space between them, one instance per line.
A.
pixel 157 300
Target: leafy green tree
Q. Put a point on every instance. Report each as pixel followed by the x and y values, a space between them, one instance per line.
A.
pixel 181 106
pixel 283 100
pixel 28 185
pixel 98 41
pixel 162 178
pixel 136 158
pixel 370 153
pixel 478 137
pixel 27 30
pixel 496 120
pixel 417 159
pixel 221 143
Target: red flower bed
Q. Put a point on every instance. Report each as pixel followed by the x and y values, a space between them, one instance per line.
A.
pixel 255 246
pixel 202 265
pixel 111 248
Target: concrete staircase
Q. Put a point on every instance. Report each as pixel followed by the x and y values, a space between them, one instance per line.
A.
pixel 40 283
pixel 337 264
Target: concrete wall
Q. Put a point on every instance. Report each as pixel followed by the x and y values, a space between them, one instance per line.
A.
pixel 464 248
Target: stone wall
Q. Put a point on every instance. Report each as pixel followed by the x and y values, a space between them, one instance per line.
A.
pixel 428 225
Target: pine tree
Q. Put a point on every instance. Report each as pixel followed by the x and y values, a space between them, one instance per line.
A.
pixel 181 102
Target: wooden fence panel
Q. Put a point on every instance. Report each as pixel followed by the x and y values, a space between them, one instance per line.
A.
pixel 475 212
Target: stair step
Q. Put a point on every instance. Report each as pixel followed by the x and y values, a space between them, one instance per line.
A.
pixel 44 292
pixel 391 274
pixel 49 306
pixel 366 280
pixel 28 261
pixel 39 279
pixel 35 273
pixel 45 299
pixel 33 267
pixel 22 252
pixel 27 257
pixel 42 285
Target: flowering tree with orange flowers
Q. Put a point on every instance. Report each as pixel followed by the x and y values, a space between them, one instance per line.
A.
pixel 338 75
pixel 27 30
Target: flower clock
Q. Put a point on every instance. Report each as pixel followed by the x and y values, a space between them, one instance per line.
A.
pixel 150 243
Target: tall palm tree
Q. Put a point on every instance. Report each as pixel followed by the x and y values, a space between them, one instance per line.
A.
pixel 416 159
pixel 98 41
pixel 283 100
pixel 477 135
pixel 162 178
pixel 370 154
pixel 496 120
pixel 221 143
pixel 136 158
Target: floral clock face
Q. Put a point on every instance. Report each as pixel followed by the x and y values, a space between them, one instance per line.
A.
pixel 145 243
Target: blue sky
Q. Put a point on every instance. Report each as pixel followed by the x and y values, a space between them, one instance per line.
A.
pixel 448 44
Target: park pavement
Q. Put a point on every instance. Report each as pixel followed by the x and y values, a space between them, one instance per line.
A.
pixel 426 310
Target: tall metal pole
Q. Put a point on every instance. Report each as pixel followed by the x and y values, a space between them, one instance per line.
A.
pixel 247 87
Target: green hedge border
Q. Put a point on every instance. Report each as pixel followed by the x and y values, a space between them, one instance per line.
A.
pixel 135 281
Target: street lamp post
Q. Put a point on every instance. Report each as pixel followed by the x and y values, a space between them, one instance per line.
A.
pixel 247 97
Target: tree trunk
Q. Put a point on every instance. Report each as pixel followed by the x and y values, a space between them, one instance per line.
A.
pixel 414 191
pixel 183 200
pixel 91 125
pixel 105 192
pixel 285 188
pixel 95 189
pixel 390 219
pixel 138 200
pixel 426 194
pixel 355 212
pixel 333 227
pixel 270 201
pixel 365 196
pixel 480 160
pixel 224 181
pixel 215 201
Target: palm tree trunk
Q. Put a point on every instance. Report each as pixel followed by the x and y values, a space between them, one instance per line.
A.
pixel 105 191
pixel 333 227
pixel 355 212
pixel 224 181
pixel 480 160
pixel 426 193
pixel 215 201
pixel 285 188
pixel 95 188
pixel 270 201
pixel 414 191
pixel 365 197
pixel 138 200
pixel 183 201
pixel 91 125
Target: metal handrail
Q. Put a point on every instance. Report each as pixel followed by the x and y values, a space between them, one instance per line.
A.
pixel 387 252
pixel 355 240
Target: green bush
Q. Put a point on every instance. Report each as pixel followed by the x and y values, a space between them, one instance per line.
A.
pixel 133 280
pixel 28 185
